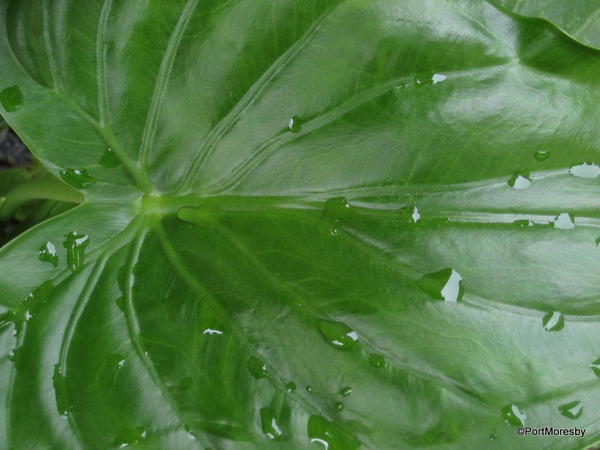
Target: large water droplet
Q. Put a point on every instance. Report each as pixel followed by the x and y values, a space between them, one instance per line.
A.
pixel 553 321
pixel 585 170
pixel 79 178
pixel 346 391
pixel 339 406
pixel 330 435
pixel 109 159
pixel 75 245
pixel 519 180
pixel 257 368
pixel 445 284
pixel 377 361
pixel 130 437
pixel 269 425
pixel 338 334
pixel 47 253
pixel 572 410
pixel 290 387
pixel 513 415
pixel 60 389
pixel 595 366
pixel 11 98
pixel 541 155
pixel 294 124
pixel 564 221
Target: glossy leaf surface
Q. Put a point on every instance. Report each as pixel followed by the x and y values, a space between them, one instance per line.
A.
pixel 335 223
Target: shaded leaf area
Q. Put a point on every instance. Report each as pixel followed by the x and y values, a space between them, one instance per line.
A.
pixel 347 224
pixel 579 18
pixel 28 193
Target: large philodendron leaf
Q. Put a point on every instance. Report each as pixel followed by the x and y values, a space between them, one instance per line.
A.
pixel 579 18
pixel 344 223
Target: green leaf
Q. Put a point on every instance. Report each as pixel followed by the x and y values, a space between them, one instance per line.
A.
pixel 325 223
pixel 579 18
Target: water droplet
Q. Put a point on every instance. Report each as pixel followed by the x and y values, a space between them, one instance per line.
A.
pixel 210 331
pixel 190 433
pixel 409 214
pixel 109 159
pixel 330 435
pixel 336 209
pixel 309 389
pixel 47 253
pixel 206 216
pixel 269 425
pixel 595 366
pixel 290 387
pixel 445 284
pixel 519 180
pixel 346 391
pixel 598 242
pixel 525 223
pixel 79 178
pixel 75 245
pixel 585 170
pixel 130 437
pixel 294 124
pixel 377 361
pixel 513 416
pixel 553 321
pixel 541 155
pixel 24 311
pixel 257 368
pixel 438 78
pixel 338 334
pixel 564 221
pixel 339 406
pixel 11 98
pixel 572 410
pixel 60 389
pixel 14 355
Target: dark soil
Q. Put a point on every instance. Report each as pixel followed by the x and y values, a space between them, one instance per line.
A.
pixel 13 152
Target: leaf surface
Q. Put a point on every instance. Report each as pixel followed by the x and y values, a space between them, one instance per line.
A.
pixel 343 223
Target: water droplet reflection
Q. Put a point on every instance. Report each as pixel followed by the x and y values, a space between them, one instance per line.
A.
pixel 541 155
pixel 211 332
pixel 330 435
pixel 290 387
pixel 338 334
pixel 47 253
pixel 269 425
pixel 11 98
pixel 438 78
pixel 553 321
pixel 585 170
pixel 339 406
pixel 257 368
pixel 572 410
pixel 513 415
pixel 75 245
pixel 445 284
pixel 130 437
pixel 79 178
pixel 519 180
pixel 346 391
pixel 564 221
pixel 294 124
pixel 109 159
